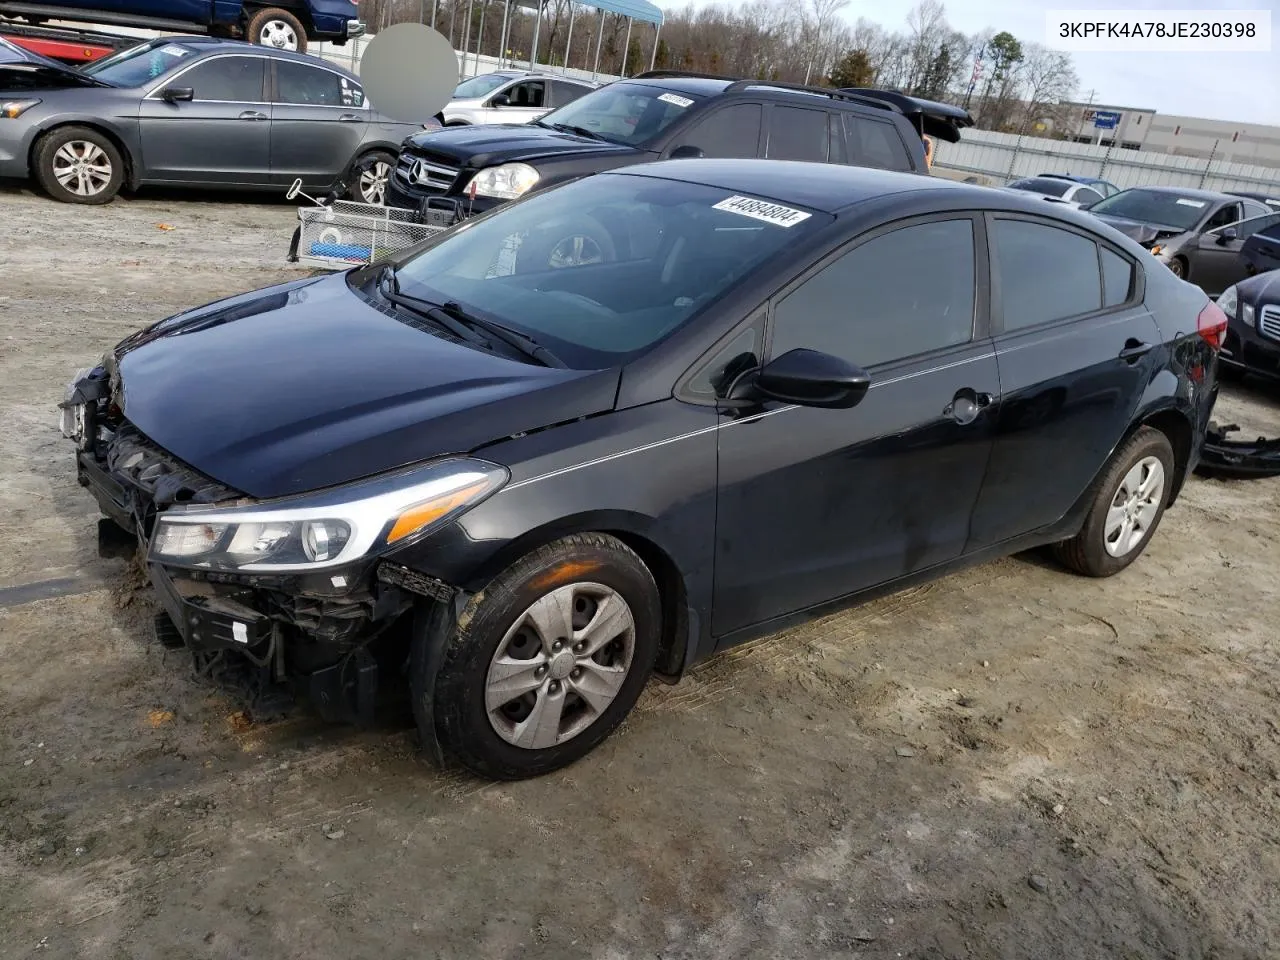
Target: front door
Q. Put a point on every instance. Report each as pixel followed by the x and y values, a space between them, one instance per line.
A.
pixel 816 504
pixel 222 135
pixel 1076 349
pixel 318 121
pixel 1218 261
pixel 525 101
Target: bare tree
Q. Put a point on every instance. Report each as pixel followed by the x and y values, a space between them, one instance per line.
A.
pixel 1048 77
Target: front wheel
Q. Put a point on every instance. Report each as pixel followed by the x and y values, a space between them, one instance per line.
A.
pixel 1178 267
pixel 369 177
pixel 273 27
pixel 1128 503
pixel 548 659
pixel 79 165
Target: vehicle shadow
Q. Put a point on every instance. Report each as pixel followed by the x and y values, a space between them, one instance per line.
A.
pixel 274 197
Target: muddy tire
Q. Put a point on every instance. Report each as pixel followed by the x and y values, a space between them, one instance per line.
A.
pixel 79 165
pixel 1128 503
pixel 547 660
pixel 273 27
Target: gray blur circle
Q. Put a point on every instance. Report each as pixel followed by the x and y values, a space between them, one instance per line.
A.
pixel 409 72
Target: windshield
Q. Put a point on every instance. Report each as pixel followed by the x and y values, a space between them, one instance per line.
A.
pixel 599 270
pixel 1157 207
pixel 480 86
pixel 629 113
pixel 138 65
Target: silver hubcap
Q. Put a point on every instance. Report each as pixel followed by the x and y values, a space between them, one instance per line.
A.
pixel 560 665
pixel 82 167
pixel 373 182
pixel 277 33
pixel 575 251
pixel 1134 507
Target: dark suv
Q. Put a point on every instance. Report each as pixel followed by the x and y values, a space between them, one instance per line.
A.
pixel 666 115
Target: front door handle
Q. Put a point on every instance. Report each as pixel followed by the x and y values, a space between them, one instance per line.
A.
pixel 253 115
pixel 966 405
pixel 1134 350
pixel 350 118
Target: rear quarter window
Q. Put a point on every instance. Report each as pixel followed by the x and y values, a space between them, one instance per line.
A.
pixel 875 143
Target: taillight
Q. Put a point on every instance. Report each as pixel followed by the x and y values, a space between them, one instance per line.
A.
pixel 1211 324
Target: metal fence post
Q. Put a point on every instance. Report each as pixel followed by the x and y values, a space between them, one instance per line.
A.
pixel 1208 164
pixel 595 71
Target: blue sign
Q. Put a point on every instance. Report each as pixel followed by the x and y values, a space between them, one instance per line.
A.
pixel 1105 119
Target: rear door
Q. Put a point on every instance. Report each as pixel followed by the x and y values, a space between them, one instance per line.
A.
pixel 566 91
pixel 318 121
pixel 1076 348
pixel 1218 260
pixel 797 133
pixel 222 135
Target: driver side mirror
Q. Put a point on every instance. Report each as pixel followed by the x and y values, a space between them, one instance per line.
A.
pixel 686 151
pixel 178 94
pixel 500 100
pixel 809 378
pixel 1227 234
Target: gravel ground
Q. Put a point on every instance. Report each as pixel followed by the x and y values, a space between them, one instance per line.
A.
pixel 1009 763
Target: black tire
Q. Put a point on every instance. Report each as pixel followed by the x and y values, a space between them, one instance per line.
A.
pixel 1179 268
pixel 51 156
pixel 461 719
pixel 576 240
pixel 364 165
pixel 1086 553
pixel 260 19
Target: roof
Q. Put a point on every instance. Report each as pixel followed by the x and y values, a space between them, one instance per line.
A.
pixel 698 86
pixel 1077 177
pixel 827 187
pixel 635 9
pixel 207 45
pixel 1187 192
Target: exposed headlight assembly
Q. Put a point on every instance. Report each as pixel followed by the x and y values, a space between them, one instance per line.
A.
pixel 1228 301
pixel 505 182
pixel 326 529
pixel 13 109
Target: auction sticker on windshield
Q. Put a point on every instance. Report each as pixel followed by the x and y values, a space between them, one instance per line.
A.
pixel 774 213
pixel 675 98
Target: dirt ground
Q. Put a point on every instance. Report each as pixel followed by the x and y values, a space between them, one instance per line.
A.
pixel 1009 763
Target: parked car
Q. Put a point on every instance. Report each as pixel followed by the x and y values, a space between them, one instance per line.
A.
pixel 511 96
pixel 1058 190
pixel 192 112
pixel 286 25
pixel 1261 252
pixel 537 479
pixel 1213 260
pixel 1268 199
pixel 1105 188
pixel 653 116
pixel 1152 214
pixel 1252 342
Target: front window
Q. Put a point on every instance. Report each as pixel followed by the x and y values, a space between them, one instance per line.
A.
pixel 1165 209
pixel 137 66
pixel 599 270
pixel 480 86
pixel 629 113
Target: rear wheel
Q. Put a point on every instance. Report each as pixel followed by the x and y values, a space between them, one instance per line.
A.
pixel 273 27
pixel 1128 503
pixel 79 165
pixel 549 659
pixel 1179 268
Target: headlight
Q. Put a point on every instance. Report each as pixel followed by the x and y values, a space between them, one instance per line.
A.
pixel 505 182
pixel 12 109
pixel 1228 301
pixel 327 529
pixel 1157 250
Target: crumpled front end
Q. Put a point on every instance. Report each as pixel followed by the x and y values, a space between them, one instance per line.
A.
pixel 283 633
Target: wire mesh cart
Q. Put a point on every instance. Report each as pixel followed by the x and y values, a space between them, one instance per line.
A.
pixel 344 234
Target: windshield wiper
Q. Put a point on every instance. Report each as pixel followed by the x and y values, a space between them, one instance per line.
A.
pixel 453 317
pixel 580 131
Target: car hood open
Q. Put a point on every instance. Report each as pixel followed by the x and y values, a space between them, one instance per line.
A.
pixel 488 144
pixel 309 384
pixel 22 71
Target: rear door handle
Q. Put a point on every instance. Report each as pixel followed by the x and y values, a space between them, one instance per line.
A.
pixel 1134 349
pixel 253 115
pixel 350 118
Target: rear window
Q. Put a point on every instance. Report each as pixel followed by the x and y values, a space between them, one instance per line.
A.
pixel 875 143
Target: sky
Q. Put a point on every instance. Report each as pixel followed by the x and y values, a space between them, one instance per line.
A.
pixel 1242 87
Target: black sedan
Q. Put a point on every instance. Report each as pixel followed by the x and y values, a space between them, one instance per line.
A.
pixel 191 111
pixel 1150 215
pixel 532 475
pixel 1253 332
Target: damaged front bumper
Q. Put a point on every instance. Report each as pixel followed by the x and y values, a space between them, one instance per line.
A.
pixel 326 635
pixel 1238 459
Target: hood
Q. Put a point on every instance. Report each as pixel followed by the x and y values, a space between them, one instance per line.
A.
pixel 25 71
pixel 486 144
pixel 1143 233
pixel 307 384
